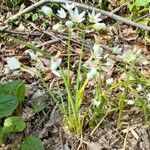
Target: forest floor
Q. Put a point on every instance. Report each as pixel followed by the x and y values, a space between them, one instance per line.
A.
pixel 44 119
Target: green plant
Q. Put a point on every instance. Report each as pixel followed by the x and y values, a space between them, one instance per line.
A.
pixel 13 124
pixel 139 8
pixel 129 95
pixel 11 98
pixel 32 143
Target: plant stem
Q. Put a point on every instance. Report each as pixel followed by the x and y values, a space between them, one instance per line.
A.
pixel 79 67
pixel 69 52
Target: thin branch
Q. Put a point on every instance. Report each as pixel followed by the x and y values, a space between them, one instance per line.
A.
pixel 11 32
pixel 109 14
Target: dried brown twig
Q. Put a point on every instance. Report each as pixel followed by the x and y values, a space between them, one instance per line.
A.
pixel 109 14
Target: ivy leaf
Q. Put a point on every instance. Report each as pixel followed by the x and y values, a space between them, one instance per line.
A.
pixel 8 103
pixel 142 2
pixel 32 143
pixel 13 124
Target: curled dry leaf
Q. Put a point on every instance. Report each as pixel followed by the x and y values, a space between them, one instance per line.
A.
pixel 1 64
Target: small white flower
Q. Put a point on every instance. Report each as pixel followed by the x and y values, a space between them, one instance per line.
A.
pixel 130 102
pixel 97 51
pixel 47 10
pixel 61 13
pixel 117 50
pixel 99 26
pixel 91 73
pixel 139 88
pixel 69 24
pixel 129 56
pixel 32 54
pixel 109 81
pixel 76 16
pixel 55 63
pixel 13 63
pixel 96 102
pixel 94 18
pixel 68 6
pixel 58 26
pixel 148 97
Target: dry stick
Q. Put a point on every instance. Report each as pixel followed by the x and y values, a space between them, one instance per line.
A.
pixel 109 14
pixel 19 33
pixel 99 123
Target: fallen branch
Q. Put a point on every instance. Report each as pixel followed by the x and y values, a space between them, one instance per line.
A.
pixel 109 14
pixel 19 33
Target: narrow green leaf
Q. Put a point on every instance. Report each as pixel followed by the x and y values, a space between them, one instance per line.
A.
pixel 142 2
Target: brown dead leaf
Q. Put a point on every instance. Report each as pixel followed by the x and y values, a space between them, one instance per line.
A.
pixel 48 76
pixel 93 146
pixel 146 73
pixel 1 64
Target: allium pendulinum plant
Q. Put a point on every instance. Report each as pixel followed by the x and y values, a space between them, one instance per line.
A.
pixel 133 88
pixel 74 118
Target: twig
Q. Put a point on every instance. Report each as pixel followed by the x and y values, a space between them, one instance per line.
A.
pixel 109 14
pixel 19 33
pixel 48 42
pixel 142 17
pixel 99 123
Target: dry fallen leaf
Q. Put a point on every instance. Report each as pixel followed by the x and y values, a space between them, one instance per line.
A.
pixel 1 64
pixel 93 146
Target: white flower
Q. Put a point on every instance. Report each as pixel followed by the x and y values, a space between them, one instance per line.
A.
pixel 69 24
pixel 94 18
pixel 76 17
pixel 32 54
pixel 47 10
pixel 96 102
pixel 99 26
pixel 55 63
pixel 68 6
pixel 148 97
pixel 109 81
pixel 61 13
pixel 58 26
pixel 139 88
pixel 97 51
pixel 129 56
pixel 13 63
pixel 130 102
pixel 91 74
pixel 117 50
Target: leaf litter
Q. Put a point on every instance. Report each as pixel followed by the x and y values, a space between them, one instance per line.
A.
pixel 46 121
